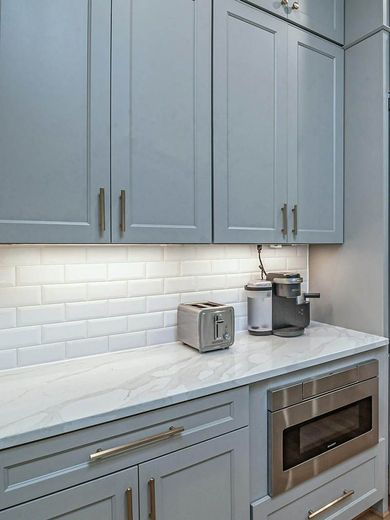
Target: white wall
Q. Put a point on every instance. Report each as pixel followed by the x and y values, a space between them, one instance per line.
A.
pixel 61 302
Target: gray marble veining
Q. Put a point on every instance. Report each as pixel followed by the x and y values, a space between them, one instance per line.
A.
pixel 46 400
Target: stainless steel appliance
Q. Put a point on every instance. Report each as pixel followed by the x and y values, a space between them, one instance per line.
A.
pixel 206 326
pixel 317 423
pixel 259 296
pixel 290 308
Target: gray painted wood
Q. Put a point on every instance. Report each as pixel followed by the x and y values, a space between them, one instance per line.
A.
pixel 274 6
pixel 55 119
pixel 315 137
pixel 207 481
pixel 335 271
pixel 43 467
pixel 362 17
pixel 161 120
pixel 325 17
pixel 101 499
pixel 250 124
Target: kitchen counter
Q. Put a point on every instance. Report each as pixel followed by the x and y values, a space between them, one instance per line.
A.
pixel 46 400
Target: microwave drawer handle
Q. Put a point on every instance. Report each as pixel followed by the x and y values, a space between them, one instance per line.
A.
pixel 346 494
pixel 104 454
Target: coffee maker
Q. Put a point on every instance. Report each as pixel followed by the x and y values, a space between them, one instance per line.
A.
pixel 290 308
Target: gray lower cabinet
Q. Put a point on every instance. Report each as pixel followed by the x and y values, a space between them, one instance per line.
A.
pixel 250 124
pixel 55 120
pixel 208 481
pixel 315 138
pixel 161 121
pixel 114 497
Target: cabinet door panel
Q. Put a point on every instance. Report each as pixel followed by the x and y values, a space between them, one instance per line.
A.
pixel 161 115
pixel 315 125
pixel 102 499
pixel 274 6
pixel 208 481
pixel 250 124
pixel 325 17
pixel 55 119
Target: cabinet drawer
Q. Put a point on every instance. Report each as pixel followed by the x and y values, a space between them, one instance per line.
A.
pixel 43 467
pixel 341 498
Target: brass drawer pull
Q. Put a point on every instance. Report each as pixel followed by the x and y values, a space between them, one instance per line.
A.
pixel 129 500
pixel 123 211
pixel 295 219
pixel 152 497
pixel 346 494
pixel 295 6
pixel 102 210
pixel 103 454
pixel 285 222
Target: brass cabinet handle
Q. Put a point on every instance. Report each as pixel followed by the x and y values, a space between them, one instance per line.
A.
pixel 295 219
pixel 129 500
pixel 284 2
pixel 285 223
pixel 123 211
pixel 152 498
pixel 102 210
pixel 103 454
pixel 346 494
pixel 295 6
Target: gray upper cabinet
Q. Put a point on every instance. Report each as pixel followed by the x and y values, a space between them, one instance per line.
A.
pixel 279 7
pixel 208 481
pixel 161 121
pixel 114 497
pixel 325 17
pixel 250 124
pixel 55 120
pixel 315 138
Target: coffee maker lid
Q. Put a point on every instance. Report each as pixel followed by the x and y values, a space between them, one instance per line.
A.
pixel 285 278
pixel 258 285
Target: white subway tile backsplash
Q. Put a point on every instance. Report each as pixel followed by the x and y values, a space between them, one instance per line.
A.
pixel 7 276
pixel 85 273
pixel 39 275
pixel 40 314
pixel 126 341
pixel 41 354
pixel 64 331
pixel 73 301
pixel 107 326
pixel 7 318
pixel 86 347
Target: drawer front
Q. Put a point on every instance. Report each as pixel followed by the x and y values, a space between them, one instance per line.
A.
pixel 343 497
pixel 43 467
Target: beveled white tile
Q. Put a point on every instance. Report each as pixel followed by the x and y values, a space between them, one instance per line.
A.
pixel 19 296
pixel 180 284
pixel 126 271
pixel 107 290
pixel 39 274
pixel 162 303
pixel 64 331
pixel 64 293
pixel 142 322
pixel 86 347
pixel 8 359
pixel 41 354
pixel 157 336
pixel 16 255
pixel 7 318
pixel 126 306
pixel 145 253
pixel 107 326
pixel 86 310
pixel 162 269
pixel 63 255
pixel 19 337
pixel 85 273
pixel 106 254
pixel 7 276
pixel 127 341
pixel 40 314
pixel 145 287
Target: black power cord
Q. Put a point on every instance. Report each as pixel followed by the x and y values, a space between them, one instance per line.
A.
pixel 261 265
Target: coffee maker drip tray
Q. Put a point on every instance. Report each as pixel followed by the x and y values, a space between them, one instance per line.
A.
pixel 289 332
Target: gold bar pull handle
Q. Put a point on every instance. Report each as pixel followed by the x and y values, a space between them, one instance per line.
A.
pixel 346 494
pixel 152 498
pixel 122 199
pixel 129 501
pixel 295 219
pixel 118 450
pixel 285 223
pixel 102 210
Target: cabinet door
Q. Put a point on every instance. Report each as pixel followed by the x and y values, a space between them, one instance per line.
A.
pixel 110 498
pixel 207 481
pixel 274 6
pixel 315 160
pixel 325 17
pixel 161 121
pixel 250 124
pixel 55 119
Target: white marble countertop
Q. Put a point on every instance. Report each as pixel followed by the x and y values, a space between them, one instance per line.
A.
pixel 45 400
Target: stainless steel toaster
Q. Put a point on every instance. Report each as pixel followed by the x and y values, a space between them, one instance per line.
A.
pixel 206 326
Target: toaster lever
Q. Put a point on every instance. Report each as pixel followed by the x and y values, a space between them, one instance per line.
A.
pixel 218 324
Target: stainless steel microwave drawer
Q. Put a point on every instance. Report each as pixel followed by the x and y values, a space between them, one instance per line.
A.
pixel 343 492
pixel 43 467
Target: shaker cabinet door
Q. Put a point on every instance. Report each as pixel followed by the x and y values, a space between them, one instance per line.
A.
pixel 161 121
pixel 55 120
pixel 207 481
pixel 315 137
pixel 325 17
pixel 250 124
pixel 114 497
